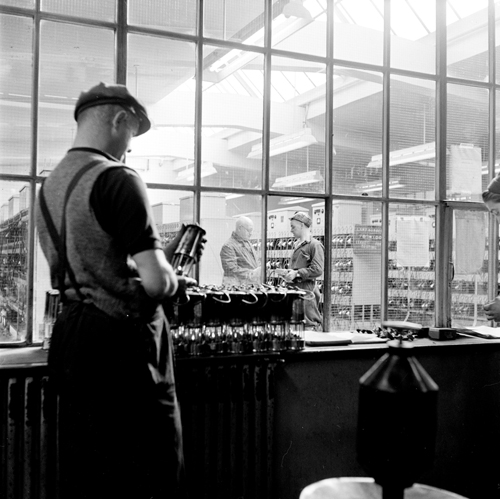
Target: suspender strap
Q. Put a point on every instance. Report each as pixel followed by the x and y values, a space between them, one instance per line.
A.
pixel 59 240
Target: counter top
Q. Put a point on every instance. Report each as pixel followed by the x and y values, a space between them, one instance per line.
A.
pixel 27 357
pixel 22 357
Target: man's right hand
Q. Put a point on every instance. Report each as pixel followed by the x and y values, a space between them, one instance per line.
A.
pixel 255 274
pixel 492 310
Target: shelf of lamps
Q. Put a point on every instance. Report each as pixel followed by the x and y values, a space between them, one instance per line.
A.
pixel 411 293
pixel 343 300
pixel 468 299
pixel 279 254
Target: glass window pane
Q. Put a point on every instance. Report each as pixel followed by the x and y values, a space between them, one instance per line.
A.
pixel 470 259
pixel 104 10
pixel 357 131
pixel 467 142
pixel 19 3
pixel 467 39
pixel 42 286
pixel 14 207
pixel 297 138
pixel 300 27
pixel 356 265
pixel 413 35
pixel 166 86
pixel 15 94
pixel 219 214
pixel 170 210
pixel 238 20
pixel 232 122
pixel 359 30
pixel 282 236
pixel 411 264
pixel 72 59
pixel 497 41
pixel 172 15
pixel 412 138
pixel 484 170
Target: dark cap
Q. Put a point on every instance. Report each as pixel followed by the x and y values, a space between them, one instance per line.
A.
pixel 300 216
pixel 113 94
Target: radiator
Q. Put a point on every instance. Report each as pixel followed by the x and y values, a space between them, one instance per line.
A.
pixel 27 435
pixel 227 413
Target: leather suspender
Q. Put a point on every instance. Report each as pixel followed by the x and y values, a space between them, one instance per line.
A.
pixel 59 239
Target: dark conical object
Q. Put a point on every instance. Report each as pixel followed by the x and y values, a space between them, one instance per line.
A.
pixel 396 420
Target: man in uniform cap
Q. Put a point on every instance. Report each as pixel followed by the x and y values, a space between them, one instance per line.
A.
pixel 110 353
pixel 306 265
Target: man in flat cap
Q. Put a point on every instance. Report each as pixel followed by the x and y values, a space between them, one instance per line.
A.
pixel 110 353
pixel 306 265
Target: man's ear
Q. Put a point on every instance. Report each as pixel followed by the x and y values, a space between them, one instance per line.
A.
pixel 119 118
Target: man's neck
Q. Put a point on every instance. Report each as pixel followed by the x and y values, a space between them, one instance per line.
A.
pixel 304 238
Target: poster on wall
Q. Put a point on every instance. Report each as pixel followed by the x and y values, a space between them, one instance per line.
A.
pixel 412 235
pixel 367 265
pixel 366 278
pixel 465 170
pixel 470 241
pixel 367 239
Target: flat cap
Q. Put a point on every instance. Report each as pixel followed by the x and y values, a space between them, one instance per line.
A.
pixel 300 216
pixel 113 94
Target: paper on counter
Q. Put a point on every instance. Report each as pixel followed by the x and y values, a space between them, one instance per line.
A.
pixel 340 338
pixel 324 339
pixel 492 333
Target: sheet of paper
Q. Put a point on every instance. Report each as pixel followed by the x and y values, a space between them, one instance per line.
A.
pixel 465 169
pixel 470 241
pixel 367 279
pixel 325 339
pixel 413 234
pixel 483 331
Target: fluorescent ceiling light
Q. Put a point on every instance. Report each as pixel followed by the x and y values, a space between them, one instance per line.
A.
pixel 225 60
pixel 295 8
pixel 377 186
pixel 234 196
pixel 207 168
pixel 285 143
pixel 408 155
pixel 310 177
pixel 292 200
pixel 282 27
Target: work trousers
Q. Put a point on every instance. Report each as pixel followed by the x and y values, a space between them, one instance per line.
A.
pixel 119 421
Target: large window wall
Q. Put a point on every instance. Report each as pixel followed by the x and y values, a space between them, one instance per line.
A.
pixel 378 118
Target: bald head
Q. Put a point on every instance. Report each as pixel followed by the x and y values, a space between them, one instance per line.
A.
pixel 244 227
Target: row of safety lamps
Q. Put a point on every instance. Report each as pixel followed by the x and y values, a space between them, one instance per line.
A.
pixel 215 320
